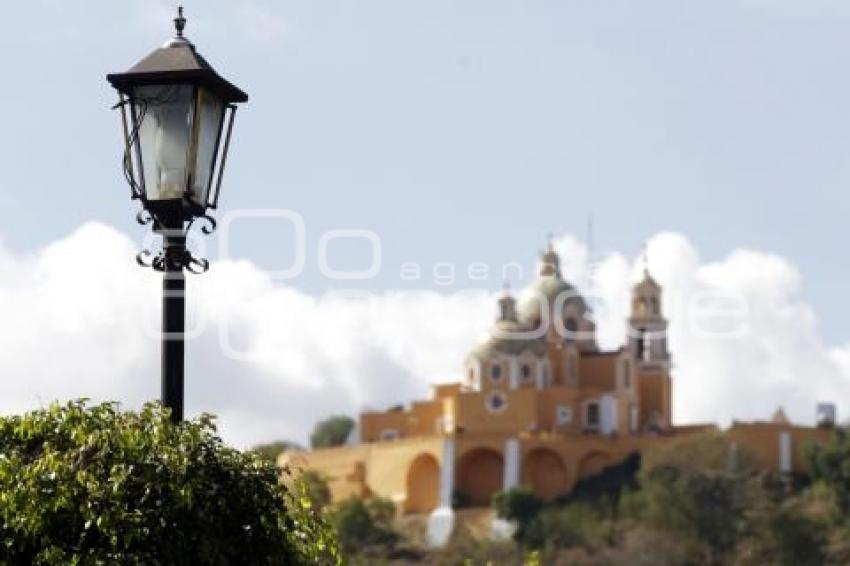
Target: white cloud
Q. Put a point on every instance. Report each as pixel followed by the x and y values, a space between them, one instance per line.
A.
pixel 741 365
pixel 79 320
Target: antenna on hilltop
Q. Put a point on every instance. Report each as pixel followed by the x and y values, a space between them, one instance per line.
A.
pixel 591 252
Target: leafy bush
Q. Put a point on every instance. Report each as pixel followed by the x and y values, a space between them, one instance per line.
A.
pixel 830 466
pixel 699 488
pixel 316 488
pixel 269 452
pixel 364 526
pixel 333 431
pixel 568 526
pixel 518 504
pixel 81 484
pixel 465 549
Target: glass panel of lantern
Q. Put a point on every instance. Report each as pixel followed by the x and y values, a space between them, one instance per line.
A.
pixel 178 129
pixel 210 118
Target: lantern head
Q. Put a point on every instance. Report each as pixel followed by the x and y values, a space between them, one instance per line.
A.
pixel 177 116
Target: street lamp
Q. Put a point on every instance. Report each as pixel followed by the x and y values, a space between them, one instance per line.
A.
pixel 175 113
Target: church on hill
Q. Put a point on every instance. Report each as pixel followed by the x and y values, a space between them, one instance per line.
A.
pixel 540 404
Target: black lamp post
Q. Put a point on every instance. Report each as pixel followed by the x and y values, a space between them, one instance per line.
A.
pixel 175 112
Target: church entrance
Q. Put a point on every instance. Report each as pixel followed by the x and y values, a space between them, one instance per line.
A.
pixel 480 475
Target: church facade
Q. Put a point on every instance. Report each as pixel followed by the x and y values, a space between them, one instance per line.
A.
pixel 540 404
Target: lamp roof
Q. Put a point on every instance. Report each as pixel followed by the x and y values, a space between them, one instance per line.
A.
pixel 177 62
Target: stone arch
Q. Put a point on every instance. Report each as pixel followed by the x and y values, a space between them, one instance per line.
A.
pixel 592 463
pixel 480 475
pixel 423 485
pixel 544 471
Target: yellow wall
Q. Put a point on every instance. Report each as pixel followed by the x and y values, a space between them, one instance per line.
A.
pixel 374 424
pixel 406 470
pixel 520 413
pixel 598 370
pixel 381 469
pixel 762 439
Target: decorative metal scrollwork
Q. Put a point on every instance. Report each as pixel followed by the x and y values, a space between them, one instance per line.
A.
pixel 174 256
pixel 208 228
pixel 144 217
pixel 197 265
pixel 145 258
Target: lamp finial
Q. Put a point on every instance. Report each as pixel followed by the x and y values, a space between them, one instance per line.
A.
pixel 180 21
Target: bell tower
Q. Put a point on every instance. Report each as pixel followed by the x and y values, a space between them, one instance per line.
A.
pixel 647 344
pixel 647 329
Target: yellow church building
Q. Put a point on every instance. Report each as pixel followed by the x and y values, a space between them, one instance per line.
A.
pixel 540 404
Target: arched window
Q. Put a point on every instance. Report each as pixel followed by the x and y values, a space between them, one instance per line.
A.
pixel 572 327
pixel 591 418
pixel 640 343
pixel 496 372
pixel 525 372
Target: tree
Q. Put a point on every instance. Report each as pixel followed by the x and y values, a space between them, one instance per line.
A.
pixel 316 488
pixel 830 466
pixel 364 526
pixel 94 485
pixel 270 451
pixel 698 487
pixel 333 431
pixel 580 524
pixel 518 504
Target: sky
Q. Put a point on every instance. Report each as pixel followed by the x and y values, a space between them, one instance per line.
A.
pixel 448 134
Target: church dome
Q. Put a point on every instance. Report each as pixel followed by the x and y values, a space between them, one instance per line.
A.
pixel 550 289
pixel 505 340
pixel 508 335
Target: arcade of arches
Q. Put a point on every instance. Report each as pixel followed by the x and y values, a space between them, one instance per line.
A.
pixel 481 472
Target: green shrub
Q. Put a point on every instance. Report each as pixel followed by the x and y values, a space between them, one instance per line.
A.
pixel 316 488
pixel 94 485
pixel 269 452
pixel 330 432
pixel 830 466
pixel 699 487
pixel 568 526
pixel 518 504
pixel 364 526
